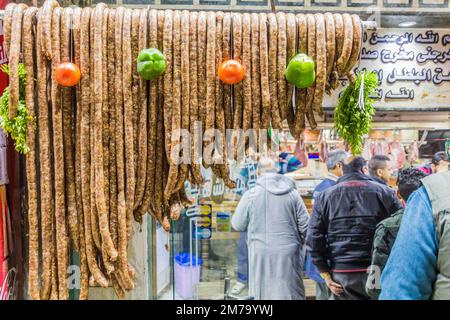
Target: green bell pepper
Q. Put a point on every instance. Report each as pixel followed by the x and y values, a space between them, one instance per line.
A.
pixel 301 71
pixel 151 63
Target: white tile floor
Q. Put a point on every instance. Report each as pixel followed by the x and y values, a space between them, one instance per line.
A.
pixel 213 290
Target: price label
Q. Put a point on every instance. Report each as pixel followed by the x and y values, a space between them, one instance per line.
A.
pixel 223 222
pixel 202 227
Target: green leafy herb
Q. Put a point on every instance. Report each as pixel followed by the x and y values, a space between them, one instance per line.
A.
pixel 351 120
pixel 17 126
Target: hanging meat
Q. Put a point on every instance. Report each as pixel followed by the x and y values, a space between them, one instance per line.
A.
pixel 397 154
pixel 31 167
pixel 101 151
pixel 323 149
pixel 413 152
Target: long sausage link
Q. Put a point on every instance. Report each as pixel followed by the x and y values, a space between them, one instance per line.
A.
pixel 247 82
pixel 194 98
pixel 167 49
pixel 256 81
pixel 31 167
pixel 312 53
pixel 330 47
pixel 282 46
pixel 185 102
pixel 264 67
pixel 356 48
pixel 176 110
pixel 160 145
pixel 142 146
pixel 291 31
pixel 226 54
pixel 321 61
pixel 121 203
pixel 58 147
pixel 218 106
pixel 113 218
pixel 226 112
pixel 237 88
pixel 347 44
pixel 201 40
pixel 210 89
pixel 276 121
pixel 136 98
pixel 128 116
pixel 300 94
pixel 85 137
pixel 94 213
pixel 105 114
pixel 339 39
pixel 16 40
pixel 68 134
pixel 100 194
pixel 46 187
pixel 46 17
pixel 7 22
pixel 84 269
pixel 148 197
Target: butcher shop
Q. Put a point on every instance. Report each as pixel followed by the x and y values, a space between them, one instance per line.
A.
pixel 224 150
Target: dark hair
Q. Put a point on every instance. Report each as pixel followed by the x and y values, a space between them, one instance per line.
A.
pixel 438 157
pixel 408 181
pixel 377 162
pixel 355 165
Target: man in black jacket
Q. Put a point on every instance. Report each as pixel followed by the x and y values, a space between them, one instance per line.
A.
pixel 341 229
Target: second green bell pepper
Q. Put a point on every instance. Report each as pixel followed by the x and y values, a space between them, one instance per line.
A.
pixel 301 71
pixel 151 63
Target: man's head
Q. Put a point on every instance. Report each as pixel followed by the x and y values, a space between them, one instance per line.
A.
pixel 380 166
pixel 354 164
pixel 335 162
pixel 440 162
pixel 266 165
pixel 408 181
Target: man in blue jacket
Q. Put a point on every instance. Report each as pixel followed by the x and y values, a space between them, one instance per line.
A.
pixel 419 265
pixel 342 226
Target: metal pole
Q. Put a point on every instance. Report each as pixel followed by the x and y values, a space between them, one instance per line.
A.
pixel 368 25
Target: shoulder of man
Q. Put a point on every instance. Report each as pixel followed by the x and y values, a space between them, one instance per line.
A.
pixel 392 222
pixel 382 187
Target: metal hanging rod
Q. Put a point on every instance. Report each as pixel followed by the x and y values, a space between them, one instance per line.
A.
pixel 367 25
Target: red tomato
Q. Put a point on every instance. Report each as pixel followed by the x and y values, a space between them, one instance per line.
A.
pixel 67 74
pixel 231 71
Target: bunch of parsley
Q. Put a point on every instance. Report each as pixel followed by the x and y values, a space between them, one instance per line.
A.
pixel 351 120
pixel 18 125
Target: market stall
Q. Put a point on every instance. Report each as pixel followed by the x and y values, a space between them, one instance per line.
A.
pixel 123 112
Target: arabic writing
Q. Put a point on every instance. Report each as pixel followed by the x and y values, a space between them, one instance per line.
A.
pixel 413 67
pixel 387 56
pixel 403 93
pixel 407 37
pixel 434 56
pixel 446 40
pixel 409 75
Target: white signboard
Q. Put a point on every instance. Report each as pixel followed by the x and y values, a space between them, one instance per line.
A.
pixel 413 67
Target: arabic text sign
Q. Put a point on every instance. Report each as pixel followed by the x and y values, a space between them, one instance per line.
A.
pixel 413 67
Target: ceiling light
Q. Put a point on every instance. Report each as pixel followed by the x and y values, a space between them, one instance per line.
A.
pixel 406 24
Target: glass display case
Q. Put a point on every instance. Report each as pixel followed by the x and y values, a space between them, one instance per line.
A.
pixel 206 254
